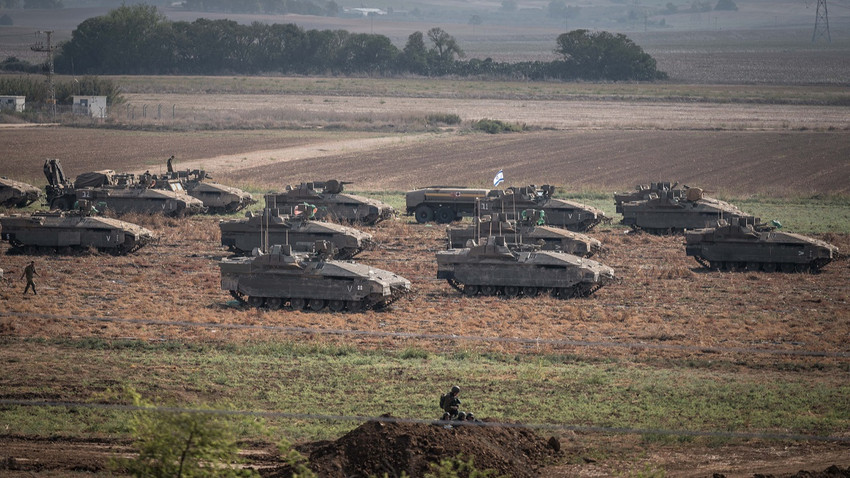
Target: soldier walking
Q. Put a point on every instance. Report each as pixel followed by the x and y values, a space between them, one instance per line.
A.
pixel 30 272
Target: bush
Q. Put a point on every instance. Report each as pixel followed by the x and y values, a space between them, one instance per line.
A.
pixel 445 118
pixel 496 126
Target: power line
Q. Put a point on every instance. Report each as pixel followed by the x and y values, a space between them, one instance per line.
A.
pixel 442 337
pixel 386 419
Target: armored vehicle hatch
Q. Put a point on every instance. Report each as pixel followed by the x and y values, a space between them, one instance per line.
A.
pixel 746 245
pixel 17 194
pixel 270 227
pixel 333 203
pixel 298 280
pixel 525 231
pixel 672 211
pixel 67 231
pixel 559 212
pixel 494 269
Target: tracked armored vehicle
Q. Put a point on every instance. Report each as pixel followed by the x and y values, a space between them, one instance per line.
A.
pixel 69 231
pixel 643 192
pixel 283 278
pixel 559 212
pixel 671 212
pixel 17 194
pixel 445 204
pixel 217 198
pixel 332 203
pixel 494 269
pixel 743 244
pixel 300 231
pixel 528 230
pixel 119 193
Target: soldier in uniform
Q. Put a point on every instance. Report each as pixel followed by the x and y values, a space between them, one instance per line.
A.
pixel 170 166
pixel 450 403
pixel 30 272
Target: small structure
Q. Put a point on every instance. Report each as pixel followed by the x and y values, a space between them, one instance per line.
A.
pixel 15 103
pixel 94 106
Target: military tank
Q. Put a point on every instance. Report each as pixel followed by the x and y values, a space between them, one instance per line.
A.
pixel 672 212
pixel 120 193
pixel 527 230
pixel 217 198
pixel 68 231
pixel 312 280
pixel 17 194
pixel 559 212
pixel 643 192
pixel 333 204
pixel 743 244
pixel 241 236
pixel 494 269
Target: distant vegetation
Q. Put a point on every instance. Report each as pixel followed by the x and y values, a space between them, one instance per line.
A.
pixel 140 40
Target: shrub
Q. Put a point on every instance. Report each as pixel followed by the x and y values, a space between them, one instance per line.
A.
pixel 496 126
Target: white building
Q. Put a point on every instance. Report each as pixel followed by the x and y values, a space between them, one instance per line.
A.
pixel 94 106
pixel 16 103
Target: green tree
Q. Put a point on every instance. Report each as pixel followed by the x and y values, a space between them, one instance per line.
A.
pixel 445 45
pixel 182 445
pixel 603 55
pixel 414 57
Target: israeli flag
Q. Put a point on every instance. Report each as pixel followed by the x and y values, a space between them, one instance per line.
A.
pixel 499 178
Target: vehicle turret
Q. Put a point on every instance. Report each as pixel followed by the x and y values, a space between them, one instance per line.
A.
pixel 676 210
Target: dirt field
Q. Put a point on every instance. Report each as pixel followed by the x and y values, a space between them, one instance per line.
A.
pixel 785 163
pixel 663 299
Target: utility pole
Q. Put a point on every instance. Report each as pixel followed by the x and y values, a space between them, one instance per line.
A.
pixel 41 47
pixel 821 23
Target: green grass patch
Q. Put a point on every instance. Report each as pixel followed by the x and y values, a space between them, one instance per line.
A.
pixel 298 378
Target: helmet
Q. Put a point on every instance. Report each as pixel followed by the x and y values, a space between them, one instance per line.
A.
pixel 470 417
pixel 455 389
pixel 461 416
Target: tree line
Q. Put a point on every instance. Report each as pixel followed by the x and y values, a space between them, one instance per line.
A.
pixel 138 39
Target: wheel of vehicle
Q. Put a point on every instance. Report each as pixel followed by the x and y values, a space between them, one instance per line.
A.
pixel 488 290
pixel 470 290
pixel 424 214
pixel 529 291
pixel 274 303
pixel 769 266
pixel 317 304
pixel 787 267
pixel 511 291
pixel 801 267
pixel 255 301
pixel 336 305
pixel 354 305
pixel 753 266
pixel 297 303
pixel 445 215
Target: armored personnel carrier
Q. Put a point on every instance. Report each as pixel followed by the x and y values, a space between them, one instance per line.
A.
pixel 300 231
pixel 742 244
pixel 313 280
pixel 559 212
pixel 643 192
pixel 17 194
pixel 332 203
pixel 446 204
pixel 527 230
pixel 68 231
pixel 671 212
pixel 494 269
pixel 120 193
pixel 217 198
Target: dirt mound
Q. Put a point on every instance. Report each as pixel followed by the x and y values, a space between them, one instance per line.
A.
pixel 833 471
pixel 376 448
